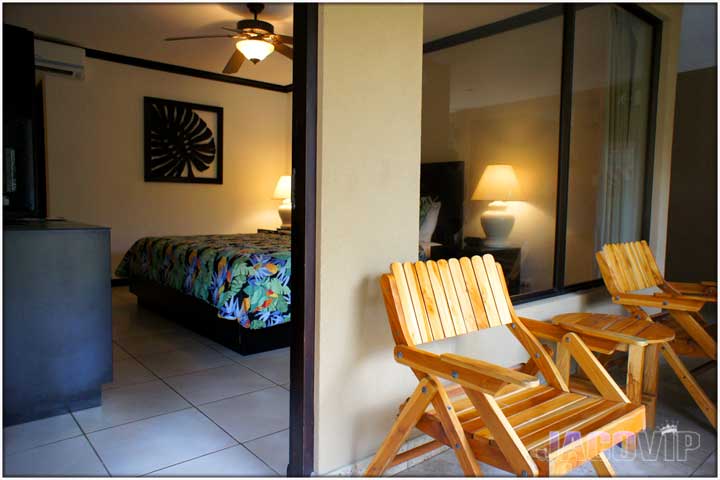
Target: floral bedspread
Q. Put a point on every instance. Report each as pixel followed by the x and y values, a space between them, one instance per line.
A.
pixel 245 276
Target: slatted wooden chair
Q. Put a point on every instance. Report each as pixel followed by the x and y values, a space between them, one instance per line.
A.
pixel 629 267
pixel 496 415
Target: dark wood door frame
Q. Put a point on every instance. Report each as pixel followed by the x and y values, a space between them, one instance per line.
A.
pixel 304 148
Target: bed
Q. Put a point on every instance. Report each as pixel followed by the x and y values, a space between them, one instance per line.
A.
pixel 234 289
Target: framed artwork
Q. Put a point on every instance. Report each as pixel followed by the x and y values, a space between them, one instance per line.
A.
pixel 183 142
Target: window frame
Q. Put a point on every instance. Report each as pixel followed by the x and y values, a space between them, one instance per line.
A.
pixel 568 11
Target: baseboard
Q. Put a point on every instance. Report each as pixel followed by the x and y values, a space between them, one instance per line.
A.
pixel 119 282
pixel 358 468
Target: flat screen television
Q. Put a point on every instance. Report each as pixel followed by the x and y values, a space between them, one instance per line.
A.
pixel 23 134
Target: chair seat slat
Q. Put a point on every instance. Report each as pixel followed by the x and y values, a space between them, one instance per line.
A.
pixel 486 292
pixel 463 295
pixel 421 316
pixel 476 300
pixel 440 299
pixel 452 297
pixel 428 298
pixel 406 302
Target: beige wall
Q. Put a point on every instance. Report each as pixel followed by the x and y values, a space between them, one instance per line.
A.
pixel 369 182
pixel 94 130
pixel 369 167
pixel 671 14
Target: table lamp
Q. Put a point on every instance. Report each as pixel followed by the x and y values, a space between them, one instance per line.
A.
pixel 498 184
pixel 282 192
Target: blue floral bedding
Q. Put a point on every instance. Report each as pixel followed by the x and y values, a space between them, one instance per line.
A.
pixel 245 276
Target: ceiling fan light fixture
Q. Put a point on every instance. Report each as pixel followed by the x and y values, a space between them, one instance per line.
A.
pixel 255 50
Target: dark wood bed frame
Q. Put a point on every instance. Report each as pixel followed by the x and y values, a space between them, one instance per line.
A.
pixel 202 318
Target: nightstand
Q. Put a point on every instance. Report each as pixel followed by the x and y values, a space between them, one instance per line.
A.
pixel 508 257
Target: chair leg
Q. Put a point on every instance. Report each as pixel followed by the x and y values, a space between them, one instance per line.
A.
pixel 455 434
pixel 602 466
pixel 406 420
pixel 633 389
pixel 562 361
pixel 697 333
pixel 691 385
pixel 650 382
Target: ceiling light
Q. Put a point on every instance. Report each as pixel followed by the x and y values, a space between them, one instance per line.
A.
pixel 255 50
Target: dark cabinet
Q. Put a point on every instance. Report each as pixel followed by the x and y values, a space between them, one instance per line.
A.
pixel 57 329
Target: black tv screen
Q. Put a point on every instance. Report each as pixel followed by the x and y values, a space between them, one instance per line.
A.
pixel 23 136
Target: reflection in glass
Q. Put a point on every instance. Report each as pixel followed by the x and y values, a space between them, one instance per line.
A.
pixel 496 101
pixel 608 139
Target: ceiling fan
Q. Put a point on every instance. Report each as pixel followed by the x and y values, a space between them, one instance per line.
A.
pixel 255 40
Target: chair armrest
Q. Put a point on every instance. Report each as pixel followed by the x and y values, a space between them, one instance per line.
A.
pixel 592 367
pixel 667 303
pixel 491 370
pixel 461 372
pixel 548 331
pixel 700 288
pixel 697 297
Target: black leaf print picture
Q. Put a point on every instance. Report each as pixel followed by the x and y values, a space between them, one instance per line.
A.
pixel 183 142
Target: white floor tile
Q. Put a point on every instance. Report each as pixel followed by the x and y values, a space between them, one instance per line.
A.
pixel 190 358
pixel 119 354
pixel 273 450
pixel 151 344
pixel 126 404
pixel 159 442
pixel 253 415
pixel 39 432
pixel 231 462
pixel 129 372
pixel 274 364
pixel 217 383
pixel 708 468
pixel 73 457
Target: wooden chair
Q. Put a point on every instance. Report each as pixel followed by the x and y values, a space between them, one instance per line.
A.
pixel 496 415
pixel 629 267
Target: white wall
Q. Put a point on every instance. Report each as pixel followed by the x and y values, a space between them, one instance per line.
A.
pixel 94 132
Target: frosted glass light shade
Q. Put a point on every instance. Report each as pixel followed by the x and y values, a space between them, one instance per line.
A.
pixel 283 187
pixel 498 182
pixel 255 50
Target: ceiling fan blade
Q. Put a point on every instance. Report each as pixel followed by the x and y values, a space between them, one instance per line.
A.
pixel 285 39
pixel 231 29
pixel 234 63
pixel 171 39
pixel 283 49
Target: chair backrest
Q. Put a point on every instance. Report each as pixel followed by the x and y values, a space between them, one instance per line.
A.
pixel 630 266
pixel 430 300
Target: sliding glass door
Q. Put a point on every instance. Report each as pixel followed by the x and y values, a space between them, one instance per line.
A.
pixel 550 115
pixel 609 134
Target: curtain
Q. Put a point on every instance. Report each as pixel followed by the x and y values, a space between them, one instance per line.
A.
pixel 620 199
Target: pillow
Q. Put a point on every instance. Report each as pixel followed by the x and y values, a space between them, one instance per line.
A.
pixel 429 211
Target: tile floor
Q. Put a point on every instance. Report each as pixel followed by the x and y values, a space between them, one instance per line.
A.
pixel 179 405
pixel 182 405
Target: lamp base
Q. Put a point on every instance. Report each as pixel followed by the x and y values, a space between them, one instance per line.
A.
pixel 285 212
pixel 497 223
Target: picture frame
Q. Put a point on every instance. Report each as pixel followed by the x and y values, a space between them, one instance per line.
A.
pixel 183 142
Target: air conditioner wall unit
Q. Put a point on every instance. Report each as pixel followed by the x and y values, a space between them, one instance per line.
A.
pixel 61 59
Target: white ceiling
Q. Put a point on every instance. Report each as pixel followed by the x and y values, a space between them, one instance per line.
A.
pixel 443 19
pixel 698 37
pixel 138 30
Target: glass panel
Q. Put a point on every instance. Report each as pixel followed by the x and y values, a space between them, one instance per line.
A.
pixel 496 101
pixel 608 138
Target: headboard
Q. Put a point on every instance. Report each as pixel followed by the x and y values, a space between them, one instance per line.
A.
pixel 446 182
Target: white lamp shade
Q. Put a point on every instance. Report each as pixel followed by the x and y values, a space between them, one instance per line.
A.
pixel 498 182
pixel 283 188
pixel 255 50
